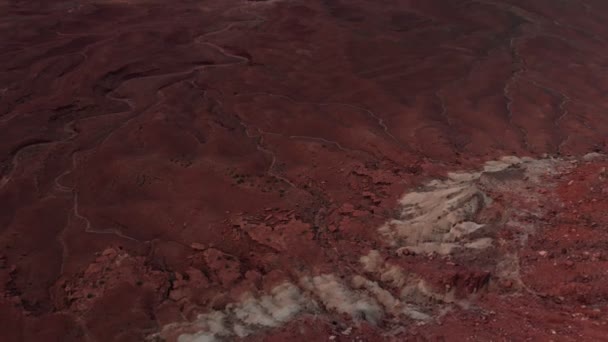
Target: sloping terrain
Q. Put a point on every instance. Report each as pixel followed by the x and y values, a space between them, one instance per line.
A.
pixel 201 170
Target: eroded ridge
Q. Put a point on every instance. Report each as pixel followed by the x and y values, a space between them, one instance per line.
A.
pixel 359 298
pixel 282 304
pixel 458 217
pixel 444 215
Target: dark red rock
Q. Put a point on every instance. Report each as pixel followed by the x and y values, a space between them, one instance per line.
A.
pixel 159 158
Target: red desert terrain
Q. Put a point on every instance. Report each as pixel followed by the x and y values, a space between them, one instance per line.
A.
pixel 303 170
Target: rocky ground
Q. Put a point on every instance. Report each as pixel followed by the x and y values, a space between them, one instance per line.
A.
pixel 303 170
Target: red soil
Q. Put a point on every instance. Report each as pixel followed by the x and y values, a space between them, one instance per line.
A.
pixel 564 267
pixel 160 158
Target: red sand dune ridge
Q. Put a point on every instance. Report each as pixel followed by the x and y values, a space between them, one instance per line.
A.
pixel 288 170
